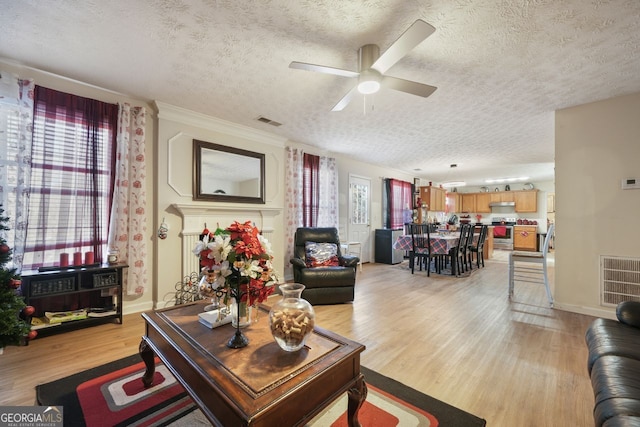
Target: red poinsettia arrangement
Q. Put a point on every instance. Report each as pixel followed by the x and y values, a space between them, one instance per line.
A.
pixel 241 261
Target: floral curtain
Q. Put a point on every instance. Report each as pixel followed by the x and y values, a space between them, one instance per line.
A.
pixel 293 201
pixel 328 191
pixel 325 185
pixel 127 228
pixel 16 126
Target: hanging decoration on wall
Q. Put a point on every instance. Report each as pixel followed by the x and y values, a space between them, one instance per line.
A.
pixel 162 230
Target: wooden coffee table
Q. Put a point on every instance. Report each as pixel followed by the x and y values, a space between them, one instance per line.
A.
pixel 261 384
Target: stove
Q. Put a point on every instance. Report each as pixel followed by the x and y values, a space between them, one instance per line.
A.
pixel 503 233
pixel 503 221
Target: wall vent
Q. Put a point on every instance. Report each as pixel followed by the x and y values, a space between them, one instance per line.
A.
pixel 619 279
pixel 268 121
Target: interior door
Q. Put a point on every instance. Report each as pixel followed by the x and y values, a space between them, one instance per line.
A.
pixel 359 225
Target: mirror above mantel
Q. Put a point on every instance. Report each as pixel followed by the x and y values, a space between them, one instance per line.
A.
pixel 227 174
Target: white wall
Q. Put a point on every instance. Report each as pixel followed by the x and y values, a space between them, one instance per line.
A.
pixel 349 166
pixel 177 128
pixel 597 145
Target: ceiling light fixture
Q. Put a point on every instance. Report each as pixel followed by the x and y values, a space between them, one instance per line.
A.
pixel 451 184
pixel 499 180
pixel 369 82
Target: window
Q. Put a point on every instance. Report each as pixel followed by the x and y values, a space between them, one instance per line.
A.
pixel 10 157
pixel 398 196
pixel 319 191
pixel 71 177
pixel 310 191
pixel 16 122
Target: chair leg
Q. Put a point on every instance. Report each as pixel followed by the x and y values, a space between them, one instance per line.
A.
pixel 546 282
pixel 510 276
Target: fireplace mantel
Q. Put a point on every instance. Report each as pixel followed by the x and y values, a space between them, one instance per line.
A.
pixel 195 216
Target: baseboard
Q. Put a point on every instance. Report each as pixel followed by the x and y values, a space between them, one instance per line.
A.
pixel 607 313
pixel 131 308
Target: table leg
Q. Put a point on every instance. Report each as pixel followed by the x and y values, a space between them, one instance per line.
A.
pixel 147 355
pixel 357 394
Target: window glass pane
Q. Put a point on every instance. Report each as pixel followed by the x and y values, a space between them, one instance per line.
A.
pixel 359 197
pixel 71 179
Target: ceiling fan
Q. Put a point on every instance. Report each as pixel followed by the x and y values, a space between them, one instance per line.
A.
pixel 372 66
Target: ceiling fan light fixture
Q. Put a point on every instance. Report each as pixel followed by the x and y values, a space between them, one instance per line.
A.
pixel 368 87
pixel 369 82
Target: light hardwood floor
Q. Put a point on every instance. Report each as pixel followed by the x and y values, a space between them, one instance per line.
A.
pixel 514 363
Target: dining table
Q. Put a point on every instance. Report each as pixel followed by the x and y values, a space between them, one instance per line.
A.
pixel 441 242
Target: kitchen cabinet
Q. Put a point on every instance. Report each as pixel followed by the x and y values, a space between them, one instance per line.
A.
pixel 525 237
pixel 434 197
pixel 482 202
pixel 488 244
pixel 453 202
pixel 551 202
pixel 468 202
pixel 507 196
pixel 526 201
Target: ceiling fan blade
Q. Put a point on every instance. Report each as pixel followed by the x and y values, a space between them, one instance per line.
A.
pixel 408 86
pixel 412 37
pixel 323 69
pixel 345 100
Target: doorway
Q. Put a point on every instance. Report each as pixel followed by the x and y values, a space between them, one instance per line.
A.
pixel 359 221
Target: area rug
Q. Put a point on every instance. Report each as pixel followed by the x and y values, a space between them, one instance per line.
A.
pixel 112 395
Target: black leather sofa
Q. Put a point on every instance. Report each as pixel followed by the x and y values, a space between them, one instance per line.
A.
pixel 323 285
pixel 614 367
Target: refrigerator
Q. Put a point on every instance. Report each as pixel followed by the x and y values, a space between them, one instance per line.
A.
pixel 384 252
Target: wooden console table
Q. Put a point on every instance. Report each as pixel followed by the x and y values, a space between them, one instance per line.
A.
pixel 261 384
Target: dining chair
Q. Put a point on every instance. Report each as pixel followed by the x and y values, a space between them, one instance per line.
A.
pixel 536 273
pixel 420 247
pixel 468 256
pixel 407 232
pixel 478 248
pixel 459 258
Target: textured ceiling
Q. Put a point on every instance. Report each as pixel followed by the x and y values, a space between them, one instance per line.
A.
pixel 501 67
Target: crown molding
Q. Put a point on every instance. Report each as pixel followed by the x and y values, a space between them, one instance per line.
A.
pixel 192 118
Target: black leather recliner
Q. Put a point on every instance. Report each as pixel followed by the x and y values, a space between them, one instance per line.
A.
pixel 614 367
pixel 323 285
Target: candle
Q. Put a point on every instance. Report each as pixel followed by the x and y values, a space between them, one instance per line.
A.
pixel 77 258
pixel 88 257
pixel 64 260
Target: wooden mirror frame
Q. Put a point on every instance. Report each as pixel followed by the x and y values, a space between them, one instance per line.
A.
pixel 200 148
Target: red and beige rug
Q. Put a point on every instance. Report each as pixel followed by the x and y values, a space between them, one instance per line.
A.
pixel 113 395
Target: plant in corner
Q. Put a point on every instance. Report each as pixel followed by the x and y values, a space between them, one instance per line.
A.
pixel 14 313
pixel 239 259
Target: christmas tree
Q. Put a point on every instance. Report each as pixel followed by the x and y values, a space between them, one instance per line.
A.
pixel 14 313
